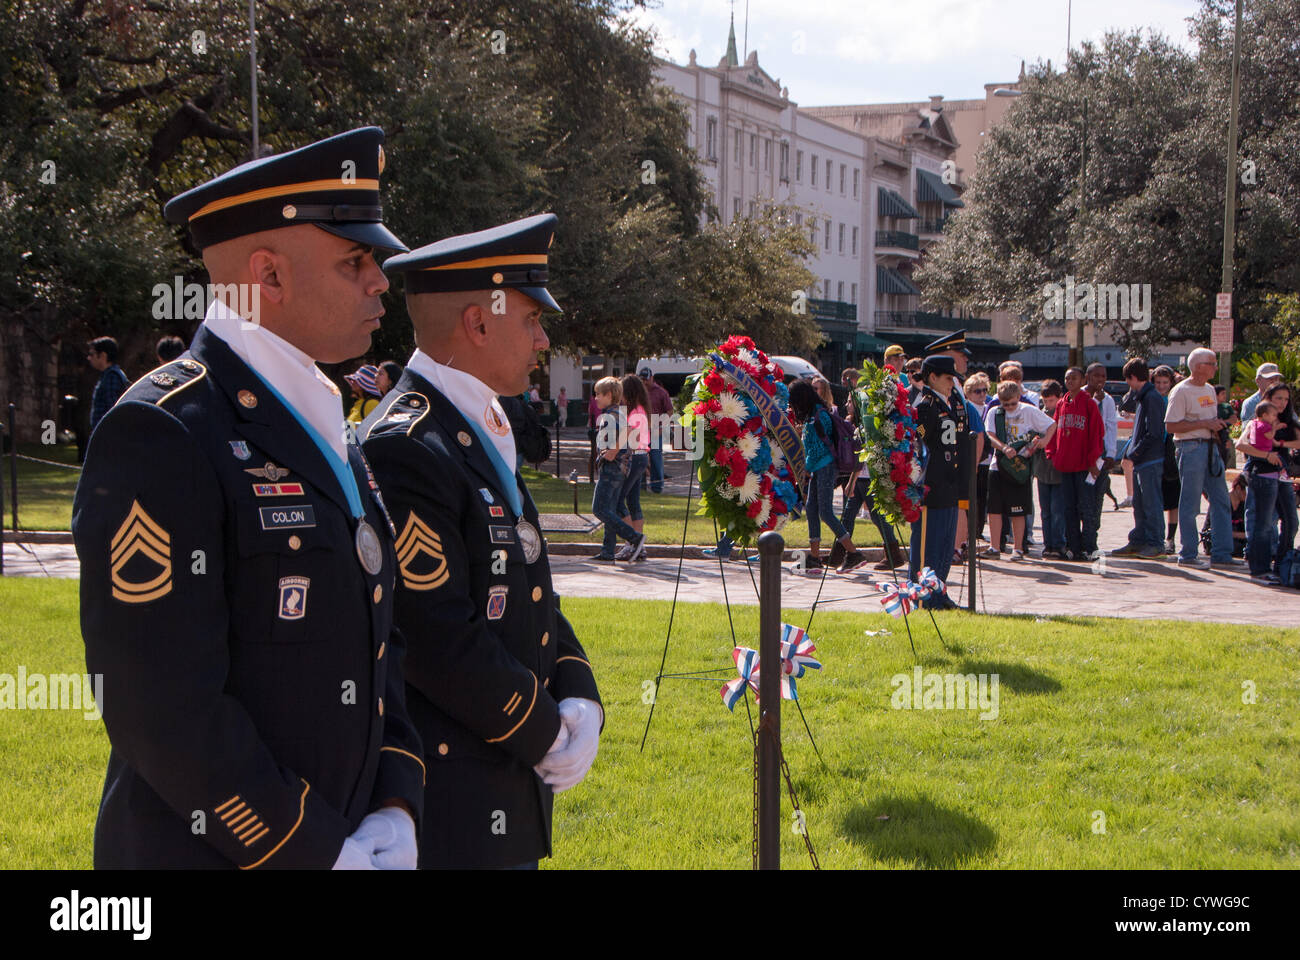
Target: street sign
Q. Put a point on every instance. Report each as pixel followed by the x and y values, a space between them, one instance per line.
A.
pixel 1221 335
pixel 1222 306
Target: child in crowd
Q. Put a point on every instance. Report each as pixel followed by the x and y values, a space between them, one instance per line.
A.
pixel 637 402
pixel 1171 486
pixel 612 460
pixel 1264 470
pixel 807 408
pixel 1051 506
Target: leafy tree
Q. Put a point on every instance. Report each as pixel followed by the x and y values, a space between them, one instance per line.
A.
pixel 1151 207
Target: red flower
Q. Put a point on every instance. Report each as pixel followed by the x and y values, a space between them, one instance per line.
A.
pixel 754 509
pixel 726 428
pixel 752 425
pixel 714 383
pixel 769 387
pixel 900 431
pixel 897 457
pixel 722 456
pixel 738 474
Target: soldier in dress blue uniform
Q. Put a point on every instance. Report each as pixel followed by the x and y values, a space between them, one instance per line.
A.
pixel 943 427
pixel 498 686
pixel 237 567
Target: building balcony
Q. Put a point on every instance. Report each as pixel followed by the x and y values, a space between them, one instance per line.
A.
pixel 834 310
pixel 931 226
pixel 923 320
pixel 898 239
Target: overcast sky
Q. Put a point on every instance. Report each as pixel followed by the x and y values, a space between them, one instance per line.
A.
pixel 869 51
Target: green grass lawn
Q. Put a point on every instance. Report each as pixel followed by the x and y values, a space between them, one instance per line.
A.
pixel 665 515
pixel 1140 721
pixel 44 492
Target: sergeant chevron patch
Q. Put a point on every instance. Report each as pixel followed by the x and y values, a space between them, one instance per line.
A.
pixel 417 538
pixel 140 536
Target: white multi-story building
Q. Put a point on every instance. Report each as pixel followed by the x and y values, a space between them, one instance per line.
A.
pixel 871 199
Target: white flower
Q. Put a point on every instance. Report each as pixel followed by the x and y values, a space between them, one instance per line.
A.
pixel 916 471
pixel 764 513
pixel 748 491
pixel 747 444
pixel 732 406
pixel 778 457
pixel 747 356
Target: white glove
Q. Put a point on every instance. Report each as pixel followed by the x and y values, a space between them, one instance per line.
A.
pixel 390 834
pixel 565 767
pixel 561 741
pixel 354 856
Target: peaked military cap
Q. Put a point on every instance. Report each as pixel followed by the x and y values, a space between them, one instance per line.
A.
pixel 949 341
pixel 332 183
pixel 939 364
pixel 511 255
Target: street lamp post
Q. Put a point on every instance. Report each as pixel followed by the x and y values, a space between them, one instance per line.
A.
pixel 1230 191
pixel 1076 352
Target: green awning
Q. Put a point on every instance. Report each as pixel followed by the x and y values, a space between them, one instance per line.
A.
pixel 892 204
pixel 871 344
pixel 930 188
pixel 891 281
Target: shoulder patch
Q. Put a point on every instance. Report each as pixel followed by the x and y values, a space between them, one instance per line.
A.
pixel 159 385
pixel 402 415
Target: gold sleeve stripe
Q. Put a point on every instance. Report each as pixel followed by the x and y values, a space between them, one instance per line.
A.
pixel 408 753
pixel 559 660
pixel 513 702
pixel 251 828
pixel 230 813
pixel 302 808
pixel 227 803
pixel 243 820
pixel 509 733
pixel 266 193
pixel 257 836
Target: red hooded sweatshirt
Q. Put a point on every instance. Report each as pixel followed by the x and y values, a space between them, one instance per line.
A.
pixel 1077 443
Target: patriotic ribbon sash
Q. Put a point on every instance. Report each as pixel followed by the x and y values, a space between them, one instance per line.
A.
pixel 747 666
pixel 797 651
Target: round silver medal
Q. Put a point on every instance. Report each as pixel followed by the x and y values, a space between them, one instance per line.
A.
pixel 530 540
pixel 369 549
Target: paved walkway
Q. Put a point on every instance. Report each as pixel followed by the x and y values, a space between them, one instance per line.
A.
pixel 1117 588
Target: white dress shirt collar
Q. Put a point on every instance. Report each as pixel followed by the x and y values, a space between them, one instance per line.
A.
pixel 476 401
pixel 292 373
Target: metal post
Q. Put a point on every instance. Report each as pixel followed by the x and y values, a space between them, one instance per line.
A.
pixel 1078 360
pixel 972 512
pixel 557 442
pixel 1230 191
pixel 13 463
pixel 771 545
pixel 252 72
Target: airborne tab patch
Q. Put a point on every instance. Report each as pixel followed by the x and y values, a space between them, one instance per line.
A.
pixel 416 539
pixel 140 536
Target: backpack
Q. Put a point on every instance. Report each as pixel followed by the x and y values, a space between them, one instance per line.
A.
pixel 842 447
pixel 1288 569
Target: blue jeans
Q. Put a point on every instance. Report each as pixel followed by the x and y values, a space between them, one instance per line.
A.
pixel 1286 510
pixel 1080 502
pixel 1197 460
pixel 1051 504
pixel 940 538
pixel 629 498
pixel 1259 538
pixel 604 504
pixel 821 503
pixel 656 467
pixel 854 503
pixel 1148 505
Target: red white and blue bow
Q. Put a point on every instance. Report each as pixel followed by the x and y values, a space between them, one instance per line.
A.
pixel 797 651
pixel 796 659
pixel 901 598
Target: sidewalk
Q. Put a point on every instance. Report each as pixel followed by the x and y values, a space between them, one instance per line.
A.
pixel 1115 588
